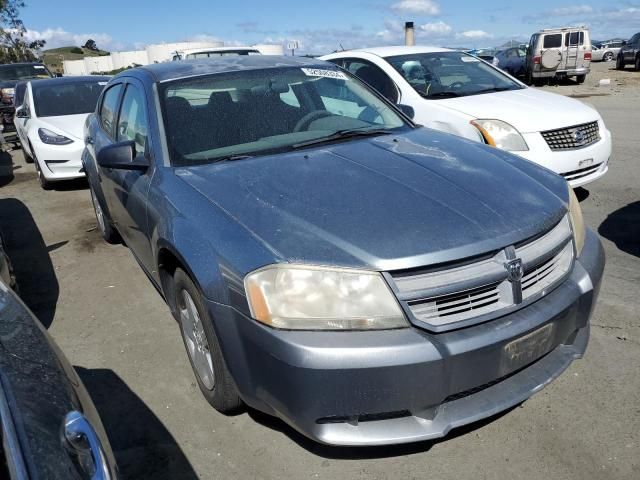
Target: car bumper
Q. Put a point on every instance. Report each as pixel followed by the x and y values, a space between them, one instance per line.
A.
pixel 580 166
pixel 399 386
pixel 59 162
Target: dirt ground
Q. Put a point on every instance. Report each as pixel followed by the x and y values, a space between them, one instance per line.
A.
pixel 116 330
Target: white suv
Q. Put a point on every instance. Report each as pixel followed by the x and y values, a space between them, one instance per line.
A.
pixel 463 95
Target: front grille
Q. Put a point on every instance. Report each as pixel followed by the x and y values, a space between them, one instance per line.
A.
pixel 581 172
pixel 572 138
pixel 443 298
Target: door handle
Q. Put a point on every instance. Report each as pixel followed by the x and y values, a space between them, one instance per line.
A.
pixel 83 440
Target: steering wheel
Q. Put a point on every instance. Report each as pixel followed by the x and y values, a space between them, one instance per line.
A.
pixel 304 122
pixel 455 86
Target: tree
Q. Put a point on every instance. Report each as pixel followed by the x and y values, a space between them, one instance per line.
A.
pixel 14 46
pixel 91 45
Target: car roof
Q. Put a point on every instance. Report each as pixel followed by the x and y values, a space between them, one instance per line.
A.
pixel 400 50
pixel 162 72
pixel 51 82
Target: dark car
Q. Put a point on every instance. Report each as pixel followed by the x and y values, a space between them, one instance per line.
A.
pixel 10 74
pixel 368 281
pixel 50 427
pixel 629 53
pixel 512 60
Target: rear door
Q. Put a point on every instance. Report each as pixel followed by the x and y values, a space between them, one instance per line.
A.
pixel 551 52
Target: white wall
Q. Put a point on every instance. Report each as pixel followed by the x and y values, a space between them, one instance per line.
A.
pixel 126 59
pixel 270 49
pixel 162 52
pixel 74 67
pixel 98 64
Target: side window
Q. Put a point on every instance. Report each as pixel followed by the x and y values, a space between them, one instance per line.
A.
pixel 553 40
pixel 574 38
pixel 132 121
pixel 289 97
pixel 108 109
pixel 18 99
pixel 374 76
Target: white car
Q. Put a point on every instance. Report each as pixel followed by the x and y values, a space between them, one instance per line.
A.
pixel 607 52
pixel 457 93
pixel 50 124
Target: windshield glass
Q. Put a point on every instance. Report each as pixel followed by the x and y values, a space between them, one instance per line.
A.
pixel 66 98
pixel 450 74
pixel 264 111
pixel 19 72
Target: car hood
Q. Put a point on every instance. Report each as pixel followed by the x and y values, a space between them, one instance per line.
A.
pixel 528 109
pixel 67 124
pixel 385 203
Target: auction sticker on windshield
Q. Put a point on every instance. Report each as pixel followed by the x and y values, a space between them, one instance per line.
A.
pixel 318 72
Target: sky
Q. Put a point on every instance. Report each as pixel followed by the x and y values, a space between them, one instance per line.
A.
pixel 319 26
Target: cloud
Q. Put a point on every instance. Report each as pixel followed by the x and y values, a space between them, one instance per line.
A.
pixel 474 35
pixel 435 28
pixel 572 10
pixel 424 7
pixel 58 37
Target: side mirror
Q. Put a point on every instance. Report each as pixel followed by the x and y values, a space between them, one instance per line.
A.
pixel 624 42
pixel 407 110
pixel 122 156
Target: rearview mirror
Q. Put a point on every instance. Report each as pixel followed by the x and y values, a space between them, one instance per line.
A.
pixel 122 156
pixel 407 110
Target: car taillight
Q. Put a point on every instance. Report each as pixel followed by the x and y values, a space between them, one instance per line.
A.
pixel 536 60
pixel 587 55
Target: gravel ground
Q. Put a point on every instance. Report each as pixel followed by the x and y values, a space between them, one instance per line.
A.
pixel 116 330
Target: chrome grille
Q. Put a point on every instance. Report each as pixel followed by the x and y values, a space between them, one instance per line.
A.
pixel 572 138
pixel 479 290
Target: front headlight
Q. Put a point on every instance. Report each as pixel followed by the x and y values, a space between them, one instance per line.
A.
pixel 577 222
pixel 52 138
pixel 501 135
pixel 321 298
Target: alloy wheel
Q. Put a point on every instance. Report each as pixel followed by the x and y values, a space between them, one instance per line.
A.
pixel 196 340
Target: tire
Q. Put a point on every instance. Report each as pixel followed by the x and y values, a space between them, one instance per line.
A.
pixel 202 346
pixel 27 158
pixel 105 227
pixel 637 64
pixel 619 63
pixel 607 57
pixel 580 79
pixel 44 183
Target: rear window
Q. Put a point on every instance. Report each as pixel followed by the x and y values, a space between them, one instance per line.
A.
pixel 574 38
pixel 552 41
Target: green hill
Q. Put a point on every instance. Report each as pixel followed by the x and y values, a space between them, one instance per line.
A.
pixel 53 57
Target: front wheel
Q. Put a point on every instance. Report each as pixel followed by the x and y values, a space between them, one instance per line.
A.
pixel 44 183
pixel 202 346
pixel 107 231
pixel 619 63
pixel 637 65
pixel 580 78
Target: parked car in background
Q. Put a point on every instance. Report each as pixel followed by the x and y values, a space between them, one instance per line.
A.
pixel 329 262
pixel 10 74
pixel 512 60
pixel 214 52
pixel 629 53
pixel 485 54
pixel 50 124
pixel 50 427
pixel 457 93
pixel 559 53
pixel 606 52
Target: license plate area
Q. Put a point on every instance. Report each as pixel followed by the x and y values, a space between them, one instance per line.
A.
pixel 527 349
pixel 587 162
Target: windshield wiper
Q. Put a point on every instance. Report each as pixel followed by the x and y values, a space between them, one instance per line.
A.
pixel 228 158
pixel 342 134
pixel 443 95
pixel 492 90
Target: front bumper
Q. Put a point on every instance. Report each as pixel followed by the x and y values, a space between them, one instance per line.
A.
pixel 399 386
pixel 579 166
pixel 59 162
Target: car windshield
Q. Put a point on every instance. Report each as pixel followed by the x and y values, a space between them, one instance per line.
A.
pixel 66 98
pixel 450 74
pixel 234 115
pixel 19 72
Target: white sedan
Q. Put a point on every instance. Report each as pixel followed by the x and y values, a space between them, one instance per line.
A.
pixel 50 124
pixel 457 93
